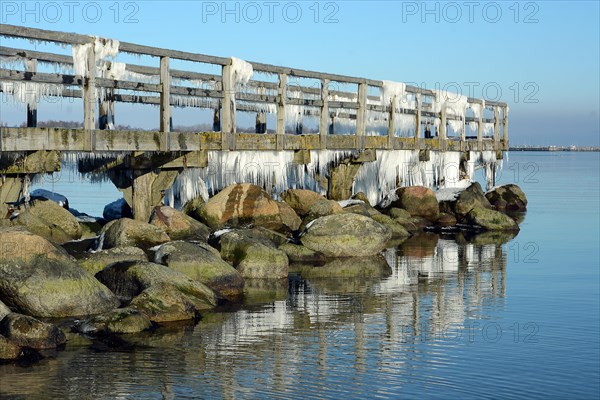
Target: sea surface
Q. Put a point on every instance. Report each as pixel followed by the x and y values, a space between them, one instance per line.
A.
pixel 492 316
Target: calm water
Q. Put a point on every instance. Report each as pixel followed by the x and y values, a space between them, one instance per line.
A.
pixel 447 318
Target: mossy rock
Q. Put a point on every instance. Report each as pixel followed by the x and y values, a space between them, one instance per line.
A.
pixel 118 321
pixel 491 220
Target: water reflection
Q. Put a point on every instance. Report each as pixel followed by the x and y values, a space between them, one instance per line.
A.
pixel 374 325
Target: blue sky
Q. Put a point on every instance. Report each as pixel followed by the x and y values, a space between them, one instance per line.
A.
pixel 542 55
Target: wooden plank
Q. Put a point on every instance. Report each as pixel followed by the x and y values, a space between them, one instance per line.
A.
pixel 44 35
pixel 180 55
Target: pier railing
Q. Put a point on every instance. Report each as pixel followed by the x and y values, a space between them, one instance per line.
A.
pixel 287 93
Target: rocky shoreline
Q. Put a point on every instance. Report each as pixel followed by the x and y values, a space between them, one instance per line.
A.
pixel 120 276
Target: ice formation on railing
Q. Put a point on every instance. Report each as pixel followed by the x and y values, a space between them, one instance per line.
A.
pixel 455 105
pixel 30 93
pixel 103 49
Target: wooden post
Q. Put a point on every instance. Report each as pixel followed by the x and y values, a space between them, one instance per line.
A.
pixel 496 126
pixel 89 91
pixel 282 97
pixel 442 133
pixel 31 66
pixel 165 104
pixel 361 115
pixel 463 131
pixel 505 123
pixel 227 111
pixel 418 118
pixel 480 128
pixel 324 123
pixel 392 124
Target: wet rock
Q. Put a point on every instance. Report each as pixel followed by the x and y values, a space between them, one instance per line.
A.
pixel 202 263
pixel 159 292
pixel 9 350
pixel 264 291
pixel 118 321
pixel 4 310
pixel 116 210
pixel 491 220
pixel 253 255
pixel 128 232
pixel 346 235
pixel 301 200
pixel 419 246
pixel 507 197
pixel 95 262
pixel 178 225
pixel 419 201
pixel 299 253
pixel 371 267
pixel 27 331
pixel 446 220
pixel 241 205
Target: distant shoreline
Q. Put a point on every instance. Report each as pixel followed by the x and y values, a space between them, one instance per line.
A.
pixel 553 148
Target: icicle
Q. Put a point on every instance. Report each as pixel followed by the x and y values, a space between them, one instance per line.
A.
pixel 30 92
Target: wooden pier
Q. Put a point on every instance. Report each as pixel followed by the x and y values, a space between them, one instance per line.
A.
pixel 32 149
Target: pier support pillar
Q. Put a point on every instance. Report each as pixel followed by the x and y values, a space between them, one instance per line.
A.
pixel 10 187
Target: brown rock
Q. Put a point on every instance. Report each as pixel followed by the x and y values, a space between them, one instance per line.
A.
pixel 301 200
pixel 289 218
pixel 128 232
pixel 419 201
pixel 178 225
pixel 507 197
pixel 30 332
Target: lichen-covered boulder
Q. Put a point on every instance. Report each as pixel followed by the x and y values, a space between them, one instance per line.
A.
pixel 118 321
pixel 398 230
pixel 346 235
pixel 95 262
pixel 203 263
pixel 507 197
pixel 178 225
pixel 159 292
pixel 299 253
pixel 40 227
pixel 301 200
pixel 128 232
pixel 491 220
pixel 55 216
pixel 27 331
pixel 240 205
pixel 19 243
pixel 253 255
pixel 419 201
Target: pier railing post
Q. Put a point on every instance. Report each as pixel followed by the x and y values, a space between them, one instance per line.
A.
pixel 361 114
pixel 418 120
pixel 227 107
pixel 165 103
pixel 463 131
pixel 324 122
pixel 443 122
pixel 392 123
pixel 281 100
pixel 89 91
pixel 480 128
pixel 496 127
pixel 31 66
pixel 505 125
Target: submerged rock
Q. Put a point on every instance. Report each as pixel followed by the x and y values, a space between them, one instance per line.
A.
pixel 128 232
pixel 346 235
pixel 29 332
pixel 9 349
pixel 491 220
pixel 202 263
pixel 356 267
pixel 253 255
pixel 419 201
pixel 120 320
pixel 507 197
pixel 178 225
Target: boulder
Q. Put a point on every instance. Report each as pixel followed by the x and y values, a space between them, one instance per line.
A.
pixel 48 195
pixel 202 263
pixel 399 213
pixel 159 292
pixel 128 232
pixel 178 225
pixel 398 230
pixel 289 218
pixel 446 220
pixel 419 201
pixel 120 320
pixel 299 253
pixel 356 267
pixel 253 255
pixel 321 208
pixel 240 205
pixel 4 310
pixel 491 220
pixel 9 350
pixel 466 200
pixel 194 207
pixel 29 332
pixel 362 197
pixel 116 210
pixel 346 235
pixel 54 216
pixel 40 227
pixel 19 243
pixel 275 237
pixel 301 200
pixel 507 197
pixel 45 287
pixel 361 209
pixel 96 262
